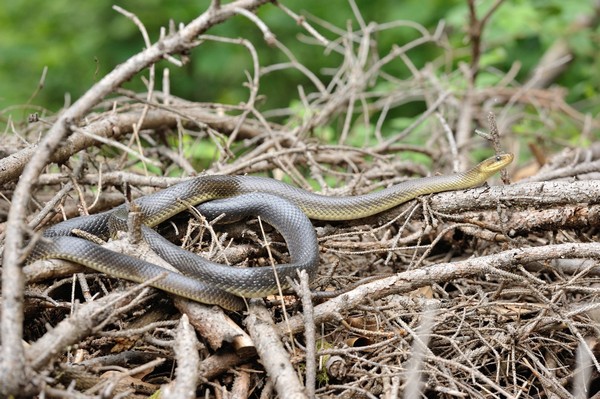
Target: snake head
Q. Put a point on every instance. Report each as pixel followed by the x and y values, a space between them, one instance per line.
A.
pixel 495 163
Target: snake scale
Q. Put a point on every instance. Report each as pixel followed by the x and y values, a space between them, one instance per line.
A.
pixel 285 207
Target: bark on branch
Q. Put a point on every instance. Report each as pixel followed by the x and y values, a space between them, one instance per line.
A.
pixel 115 125
pixel 13 371
pixel 440 273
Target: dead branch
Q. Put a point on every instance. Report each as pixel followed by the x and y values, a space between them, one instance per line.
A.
pixel 303 291
pixel 534 195
pixel 115 125
pixel 272 354
pixel 89 318
pixel 13 366
pixel 242 385
pixel 216 327
pixel 440 273
pixel 188 360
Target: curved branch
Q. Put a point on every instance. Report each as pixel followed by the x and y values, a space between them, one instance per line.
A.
pixel 440 273
pixel 13 367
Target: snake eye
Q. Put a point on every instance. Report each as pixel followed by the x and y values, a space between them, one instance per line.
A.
pixel 498 158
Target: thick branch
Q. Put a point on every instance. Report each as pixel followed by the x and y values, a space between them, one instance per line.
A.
pixel 536 195
pixel 115 125
pixel 12 369
pixel 440 273
pixel 272 354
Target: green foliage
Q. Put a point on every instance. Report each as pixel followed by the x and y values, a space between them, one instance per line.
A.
pixel 522 30
pixel 200 153
pixel 80 42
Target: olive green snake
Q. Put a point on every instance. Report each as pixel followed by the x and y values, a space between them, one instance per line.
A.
pixel 285 207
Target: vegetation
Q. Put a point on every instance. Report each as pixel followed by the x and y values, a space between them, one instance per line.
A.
pixel 80 43
pixel 487 292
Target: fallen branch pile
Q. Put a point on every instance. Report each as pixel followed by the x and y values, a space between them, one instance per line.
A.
pixel 485 292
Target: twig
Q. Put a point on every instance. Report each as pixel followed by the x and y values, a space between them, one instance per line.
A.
pixel 273 356
pixel 475 31
pixel 116 144
pixel 303 291
pixel 12 366
pixel 451 142
pixel 408 281
pixel 188 360
pixel 302 22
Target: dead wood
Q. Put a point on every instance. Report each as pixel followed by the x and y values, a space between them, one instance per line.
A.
pixel 272 353
pixel 217 328
pixel 475 293
pixel 188 363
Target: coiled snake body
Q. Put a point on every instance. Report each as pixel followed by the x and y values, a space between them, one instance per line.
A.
pixel 276 202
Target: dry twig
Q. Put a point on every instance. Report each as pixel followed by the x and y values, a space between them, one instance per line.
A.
pixel 512 270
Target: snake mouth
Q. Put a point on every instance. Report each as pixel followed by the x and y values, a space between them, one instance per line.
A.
pixel 496 163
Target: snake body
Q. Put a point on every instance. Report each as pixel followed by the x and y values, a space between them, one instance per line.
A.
pixel 237 197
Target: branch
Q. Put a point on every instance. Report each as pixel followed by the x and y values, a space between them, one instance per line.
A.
pixel 188 361
pixel 114 126
pixel 440 273
pixel 215 327
pixel 87 319
pixel 12 369
pixel 273 355
pixel 536 195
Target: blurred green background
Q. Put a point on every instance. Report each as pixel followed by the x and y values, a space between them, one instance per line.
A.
pixel 79 42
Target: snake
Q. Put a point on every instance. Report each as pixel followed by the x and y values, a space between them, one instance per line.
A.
pixel 287 208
